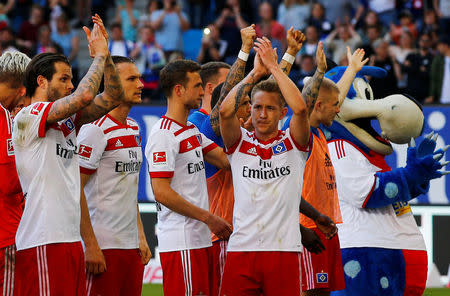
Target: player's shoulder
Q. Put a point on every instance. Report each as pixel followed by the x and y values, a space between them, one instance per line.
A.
pixel 5 116
pixel 132 123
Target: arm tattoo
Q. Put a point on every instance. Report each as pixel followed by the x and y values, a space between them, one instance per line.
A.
pixel 235 75
pixel 242 91
pixel 82 96
pixel 109 99
pixel 285 67
pixel 311 90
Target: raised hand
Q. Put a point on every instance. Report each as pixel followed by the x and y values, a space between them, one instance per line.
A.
pixel 355 60
pixel 263 48
pixel 248 36
pixel 295 39
pixel 96 19
pixel 97 42
pixel 321 59
pixel 259 67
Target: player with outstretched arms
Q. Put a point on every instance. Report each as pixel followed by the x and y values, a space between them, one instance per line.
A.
pixel 176 151
pixel 264 248
pixel 50 258
pixel 110 154
pixel 12 71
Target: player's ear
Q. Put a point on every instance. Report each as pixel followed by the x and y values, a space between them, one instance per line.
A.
pixel 22 91
pixel 178 90
pixel 42 81
pixel 284 111
pixel 209 88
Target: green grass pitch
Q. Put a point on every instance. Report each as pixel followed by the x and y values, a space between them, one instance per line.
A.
pixel 156 290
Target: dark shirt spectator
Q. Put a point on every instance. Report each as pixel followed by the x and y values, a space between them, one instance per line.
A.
pixel 213 48
pixel 28 32
pixel 318 20
pixel 383 87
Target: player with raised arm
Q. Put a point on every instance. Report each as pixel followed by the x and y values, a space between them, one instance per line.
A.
pixel 50 258
pixel 267 164
pixel 110 154
pixel 323 271
pixel 219 182
pixel 175 152
pixel 12 71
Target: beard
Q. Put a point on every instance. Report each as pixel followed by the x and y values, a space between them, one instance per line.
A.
pixel 54 94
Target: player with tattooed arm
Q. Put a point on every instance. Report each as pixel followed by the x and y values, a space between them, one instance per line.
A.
pixel 50 258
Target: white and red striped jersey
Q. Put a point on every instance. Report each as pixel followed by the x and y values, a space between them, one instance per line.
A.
pixel 390 227
pixel 267 180
pixel 47 164
pixel 176 151
pixel 111 153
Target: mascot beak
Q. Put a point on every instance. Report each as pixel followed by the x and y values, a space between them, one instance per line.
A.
pixel 400 116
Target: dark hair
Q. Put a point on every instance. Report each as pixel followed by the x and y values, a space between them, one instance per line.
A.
pixel 210 71
pixel 121 59
pixel 270 86
pixel 116 25
pixel 215 96
pixel 176 73
pixel 444 39
pixel 42 65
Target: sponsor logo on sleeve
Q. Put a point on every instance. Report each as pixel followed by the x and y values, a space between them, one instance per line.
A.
pixel 159 158
pixel 36 109
pixel 322 277
pixel 9 147
pixel 85 151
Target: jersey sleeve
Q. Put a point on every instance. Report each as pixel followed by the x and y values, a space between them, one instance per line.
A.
pixel 91 145
pixel 6 147
pixel 207 144
pixel 30 123
pixel 161 152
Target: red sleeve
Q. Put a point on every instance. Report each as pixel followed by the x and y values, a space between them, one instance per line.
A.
pixel 42 124
pixel 370 193
pixel 208 148
pixel 87 171
pixel 161 174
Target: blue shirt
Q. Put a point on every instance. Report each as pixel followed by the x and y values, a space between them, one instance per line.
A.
pixel 207 130
pixel 169 35
pixel 197 117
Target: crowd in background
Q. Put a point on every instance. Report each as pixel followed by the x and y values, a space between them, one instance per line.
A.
pixel 410 39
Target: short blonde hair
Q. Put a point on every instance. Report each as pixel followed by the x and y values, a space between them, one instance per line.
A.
pixel 270 86
pixel 12 68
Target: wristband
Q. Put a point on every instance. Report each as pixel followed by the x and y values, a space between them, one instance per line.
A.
pixel 243 56
pixel 289 58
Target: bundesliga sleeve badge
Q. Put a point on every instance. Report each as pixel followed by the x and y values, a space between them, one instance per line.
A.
pixel 85 151
pixel 159 158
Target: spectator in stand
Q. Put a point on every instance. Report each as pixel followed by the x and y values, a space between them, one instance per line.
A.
pixel 415 7
pixel 370 20
pixel 385 9
pixel 7 40
pixel 347 36
pixel 68 40
pixel 417 67
pixel 440 74
pixel 430 26
pixel 384 86
pixel 169 24
pixel 230 22
pixel 312 39
pixel 4 21
pixel 339 9
pixel 399 54
pixel 318 20
pixel 307 68
pixel 442 8
pixel 128 16
pixel 270 28
pixel 28 32
pixel 45 43
pixel 406 24
pixel 146 18
pixel 213 48
pixel 118 46
pixel 372 34
pixel 294 13
pixel 149 59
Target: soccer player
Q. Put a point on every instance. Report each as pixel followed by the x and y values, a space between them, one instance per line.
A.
pixel 212 74
pixel 110 154
pixel 175 152
pixel 264 248
pixel 12 70
pixel 50 259
pixel 219 182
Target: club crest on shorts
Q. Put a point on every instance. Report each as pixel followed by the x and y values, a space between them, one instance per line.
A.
pixel 322 277
pixel 279 148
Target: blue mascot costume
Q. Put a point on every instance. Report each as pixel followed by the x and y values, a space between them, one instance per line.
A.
pixel 383 251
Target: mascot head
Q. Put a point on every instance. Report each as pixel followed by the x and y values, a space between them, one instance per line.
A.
pixel 400 117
